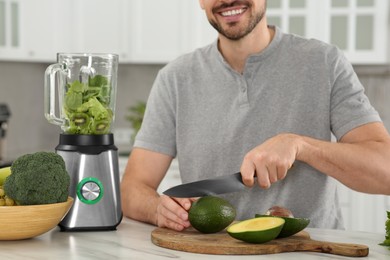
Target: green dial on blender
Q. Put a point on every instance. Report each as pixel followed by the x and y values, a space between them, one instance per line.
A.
pixel 90 190
pixel 86 105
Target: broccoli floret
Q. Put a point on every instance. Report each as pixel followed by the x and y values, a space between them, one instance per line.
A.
pixel 387 236
pixel 38 178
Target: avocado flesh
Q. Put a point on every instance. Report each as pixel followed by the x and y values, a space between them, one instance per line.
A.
pixel 257 230
pixel 291 226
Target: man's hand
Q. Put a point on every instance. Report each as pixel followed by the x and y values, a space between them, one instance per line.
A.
pixel 270 161
pixel 172 212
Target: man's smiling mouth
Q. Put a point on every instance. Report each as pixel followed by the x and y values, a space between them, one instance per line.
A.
pixel 232 9
pixel 232 12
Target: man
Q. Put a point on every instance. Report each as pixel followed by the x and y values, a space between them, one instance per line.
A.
pixel 257 101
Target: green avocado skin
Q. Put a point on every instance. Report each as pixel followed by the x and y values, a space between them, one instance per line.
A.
pixel 291 225
pixel 211 214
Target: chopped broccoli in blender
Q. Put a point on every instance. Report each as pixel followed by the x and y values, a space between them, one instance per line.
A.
pixel 87 106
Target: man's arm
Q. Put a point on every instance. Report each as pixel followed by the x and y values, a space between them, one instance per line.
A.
pixel 140 200
pixel 361 160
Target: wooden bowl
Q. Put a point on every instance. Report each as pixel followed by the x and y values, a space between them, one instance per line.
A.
pixel 21 222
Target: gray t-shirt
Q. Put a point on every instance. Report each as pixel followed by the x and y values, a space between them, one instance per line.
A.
pixel 210 116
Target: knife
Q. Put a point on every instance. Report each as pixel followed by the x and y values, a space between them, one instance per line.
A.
pixel 219 185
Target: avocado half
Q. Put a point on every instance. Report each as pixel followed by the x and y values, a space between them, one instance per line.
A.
pixel 291 225
pixel 257 230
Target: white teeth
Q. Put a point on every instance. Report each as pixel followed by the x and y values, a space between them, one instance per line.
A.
pixel 232 12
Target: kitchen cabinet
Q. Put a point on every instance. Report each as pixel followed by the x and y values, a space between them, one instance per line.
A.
pixel 358 27
pixel 37 30
pixel 157 31
pixel 100 26
pixel 159 35
pixel 138 31
pixel 32 30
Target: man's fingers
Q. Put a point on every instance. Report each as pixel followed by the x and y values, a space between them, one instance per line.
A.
pixel 171 211
pixel 184 202
pixel 247 172
pixel 263 177
pixel 272 174
pixel 173 225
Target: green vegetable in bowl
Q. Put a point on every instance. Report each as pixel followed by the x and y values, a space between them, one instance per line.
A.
pixel 87 106
pixel 387 236
pixel 38 178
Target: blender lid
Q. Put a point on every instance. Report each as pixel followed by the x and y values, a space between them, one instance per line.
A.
pixel 4 112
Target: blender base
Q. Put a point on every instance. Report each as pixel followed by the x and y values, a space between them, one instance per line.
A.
pixel 82 229
pixel 94 185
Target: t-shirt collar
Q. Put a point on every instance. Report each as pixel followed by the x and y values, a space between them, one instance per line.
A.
pixel 257 56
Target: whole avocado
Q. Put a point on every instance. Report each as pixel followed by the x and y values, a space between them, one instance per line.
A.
pixel 211 214
pixel 38 178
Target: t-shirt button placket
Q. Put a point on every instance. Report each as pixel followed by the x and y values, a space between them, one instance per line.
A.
pixel 244 93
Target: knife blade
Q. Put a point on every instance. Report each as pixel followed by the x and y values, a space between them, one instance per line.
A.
pixel 219 185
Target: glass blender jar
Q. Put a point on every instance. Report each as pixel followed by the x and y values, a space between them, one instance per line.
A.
pixel 84 85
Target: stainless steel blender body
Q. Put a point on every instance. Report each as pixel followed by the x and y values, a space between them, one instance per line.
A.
pixel 85 85
pixel 92 162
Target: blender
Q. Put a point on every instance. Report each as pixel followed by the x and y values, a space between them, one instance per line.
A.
pixel 84 86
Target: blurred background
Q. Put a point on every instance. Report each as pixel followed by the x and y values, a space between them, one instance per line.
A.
pixel 147 35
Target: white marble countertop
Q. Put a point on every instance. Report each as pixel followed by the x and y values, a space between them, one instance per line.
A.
pixel 132 240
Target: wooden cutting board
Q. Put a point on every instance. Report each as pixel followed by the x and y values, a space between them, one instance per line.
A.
pixel 221 243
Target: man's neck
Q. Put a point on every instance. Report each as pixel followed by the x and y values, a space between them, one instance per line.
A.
pixel 237 52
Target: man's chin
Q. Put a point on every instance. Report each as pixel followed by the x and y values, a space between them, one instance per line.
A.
pixel 234 35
